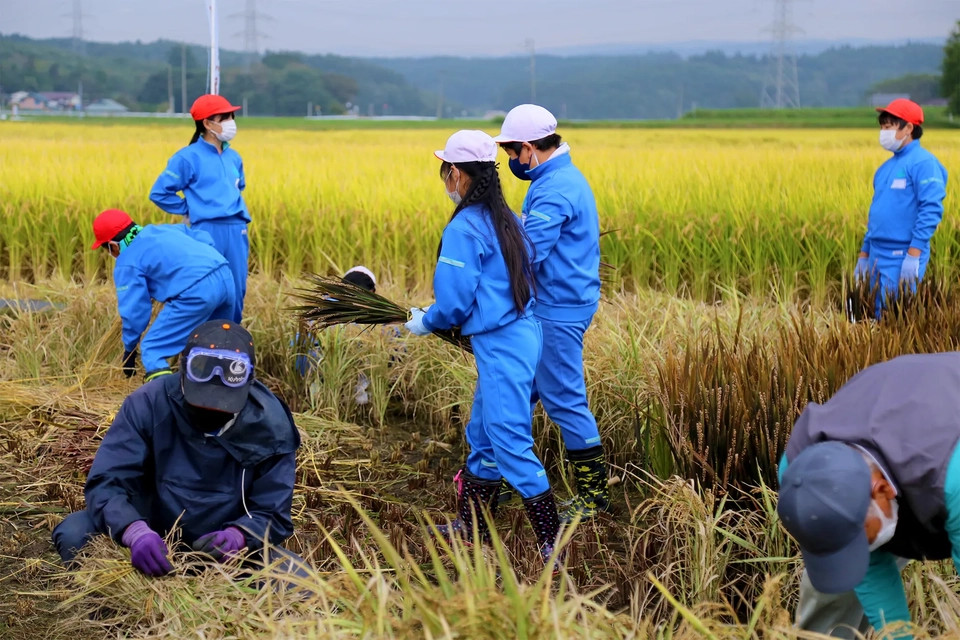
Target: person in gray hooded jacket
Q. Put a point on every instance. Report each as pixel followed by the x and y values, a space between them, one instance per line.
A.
pixel 869 481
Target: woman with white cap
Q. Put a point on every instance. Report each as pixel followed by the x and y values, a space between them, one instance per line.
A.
pixel 483 284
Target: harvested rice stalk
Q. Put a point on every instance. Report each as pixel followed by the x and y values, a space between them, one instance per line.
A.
pixel 332 301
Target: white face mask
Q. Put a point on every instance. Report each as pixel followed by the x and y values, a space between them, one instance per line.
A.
pixel 228 131
pixel 888 525
pixel 888 140
pixel 455 194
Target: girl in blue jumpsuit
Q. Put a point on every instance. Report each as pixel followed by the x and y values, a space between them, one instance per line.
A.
pixel 483 284
pixel 210 175
pixel 908 193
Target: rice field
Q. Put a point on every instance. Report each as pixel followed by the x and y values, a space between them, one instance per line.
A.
pixel 718 326
pixel 700 214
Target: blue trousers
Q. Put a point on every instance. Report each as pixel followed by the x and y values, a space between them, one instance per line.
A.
pixel 500 431
pixel 885 264
pixel 78 528
pixel 231 240
pixel 212 298
pixel 560 384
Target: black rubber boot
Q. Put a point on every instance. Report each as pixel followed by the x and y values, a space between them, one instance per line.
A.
pixel 506 492
pixel 543 515
pixel 590 474
pixel 473 494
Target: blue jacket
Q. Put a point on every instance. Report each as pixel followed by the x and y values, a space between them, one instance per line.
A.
pixel 162 262
pixel 152 465
pixel 560 216
pixel 211 183
pixel 471 282
pixel 908 193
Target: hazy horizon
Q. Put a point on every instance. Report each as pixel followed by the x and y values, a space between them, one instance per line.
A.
pixel 414 28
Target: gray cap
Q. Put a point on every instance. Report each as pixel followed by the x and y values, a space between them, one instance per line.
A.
pixel 824 499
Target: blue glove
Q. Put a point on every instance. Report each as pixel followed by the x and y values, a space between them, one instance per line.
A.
pixel 910 269
pixel 863 269
pixel 415 325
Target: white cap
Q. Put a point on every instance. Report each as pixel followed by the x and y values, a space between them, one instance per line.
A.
pixel 469 146
pixel 364 271
pixel 527 123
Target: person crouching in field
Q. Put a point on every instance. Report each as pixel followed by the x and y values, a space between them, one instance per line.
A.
pixel 210 175
pixel 869 481
pixel 483 284
pixel 172 264
pixel 305 363
pixel 907 206
pixel 211 451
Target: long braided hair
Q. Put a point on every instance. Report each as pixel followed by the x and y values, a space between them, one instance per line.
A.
pixel 485 189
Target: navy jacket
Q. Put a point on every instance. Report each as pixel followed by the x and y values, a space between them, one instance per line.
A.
pixel 152 465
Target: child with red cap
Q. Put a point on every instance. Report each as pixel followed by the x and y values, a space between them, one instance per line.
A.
pixel 907 206
pixel 172 264
pixel 210 175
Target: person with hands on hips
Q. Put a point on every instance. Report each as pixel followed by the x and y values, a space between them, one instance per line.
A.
pixel 172 264
pixel 907 206
pixel 210 174
pixel 483 283
pixel 210 451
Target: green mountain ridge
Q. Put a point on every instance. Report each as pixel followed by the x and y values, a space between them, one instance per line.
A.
pixel 647 86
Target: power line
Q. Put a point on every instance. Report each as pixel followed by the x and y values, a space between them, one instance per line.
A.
pixel 781 88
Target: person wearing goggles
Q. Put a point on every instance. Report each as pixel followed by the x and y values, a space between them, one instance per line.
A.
pixel 210 452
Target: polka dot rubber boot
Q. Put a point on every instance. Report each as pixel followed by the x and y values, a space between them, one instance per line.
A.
pixel 473 494
pixel 543 515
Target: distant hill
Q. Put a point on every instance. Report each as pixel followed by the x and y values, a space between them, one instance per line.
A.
pixel 136 75
pixel 636 86
pixel 660 85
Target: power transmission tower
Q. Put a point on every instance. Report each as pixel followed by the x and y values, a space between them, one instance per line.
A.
pixel 781 88
pixel 251 32
pixel 531 48
pixel 78 46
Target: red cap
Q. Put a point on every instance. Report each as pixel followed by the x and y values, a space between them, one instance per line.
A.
pixel 211 105
pixel 906 110
pixel 108 224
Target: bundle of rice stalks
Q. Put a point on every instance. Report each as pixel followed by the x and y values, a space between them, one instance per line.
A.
pixel 332 302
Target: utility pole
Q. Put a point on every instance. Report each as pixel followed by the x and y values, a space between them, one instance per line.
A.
pixel 531 48
pixel 440 95
pixel 781 89
pixel 183 77
pixel 169 88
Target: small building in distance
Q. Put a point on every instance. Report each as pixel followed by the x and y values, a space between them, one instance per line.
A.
pixel 105 106
pixel 883 99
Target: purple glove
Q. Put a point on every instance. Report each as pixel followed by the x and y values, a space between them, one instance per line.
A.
pixel 148 553
pixel 221 544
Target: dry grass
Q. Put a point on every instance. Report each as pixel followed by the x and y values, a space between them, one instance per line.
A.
pixel 679 558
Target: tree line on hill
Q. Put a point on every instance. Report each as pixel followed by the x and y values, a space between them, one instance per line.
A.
pixel 654 85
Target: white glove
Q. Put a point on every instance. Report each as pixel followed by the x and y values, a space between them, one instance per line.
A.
pixel 415 325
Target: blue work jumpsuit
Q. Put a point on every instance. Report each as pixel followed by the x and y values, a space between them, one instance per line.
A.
pixel 212 184
pixel 472 288
pixel 908 194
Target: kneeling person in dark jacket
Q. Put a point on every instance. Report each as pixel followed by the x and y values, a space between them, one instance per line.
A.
pixel 211 451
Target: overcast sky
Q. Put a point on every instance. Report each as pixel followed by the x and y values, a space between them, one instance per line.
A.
pixel 476 27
